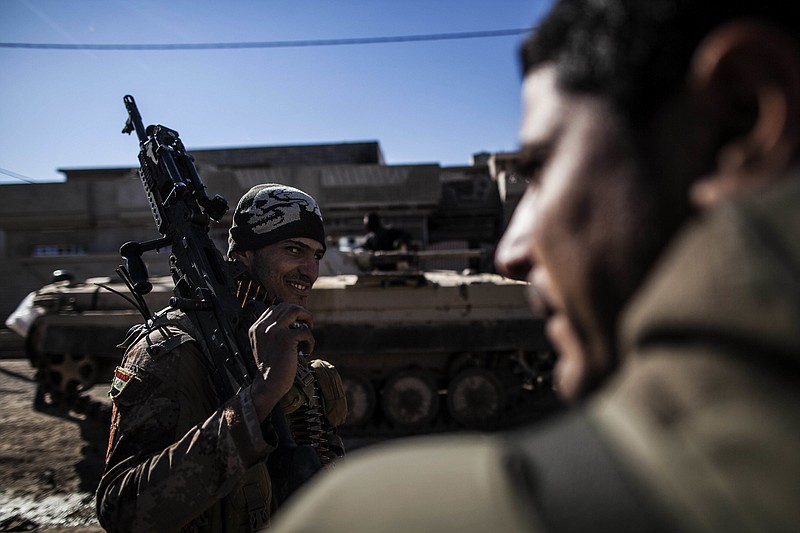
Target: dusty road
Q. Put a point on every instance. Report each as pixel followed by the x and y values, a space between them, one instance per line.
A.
pixel 50 462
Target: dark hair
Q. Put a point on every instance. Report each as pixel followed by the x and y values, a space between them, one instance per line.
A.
pixel 636 52
pixel 372 221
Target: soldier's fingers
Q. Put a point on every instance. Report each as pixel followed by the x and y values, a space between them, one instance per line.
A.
pixel 285 315
pixel 305 340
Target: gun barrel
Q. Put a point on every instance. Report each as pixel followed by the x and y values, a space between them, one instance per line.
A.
pixel 134 122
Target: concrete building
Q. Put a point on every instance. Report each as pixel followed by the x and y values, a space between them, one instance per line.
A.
pixel 79 224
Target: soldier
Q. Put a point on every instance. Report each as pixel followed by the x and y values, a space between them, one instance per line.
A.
pixel 383 238
pixel 659 232
pixel 180 459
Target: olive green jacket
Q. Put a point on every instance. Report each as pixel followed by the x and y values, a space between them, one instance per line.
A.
pixel 698 431
pixel 706 409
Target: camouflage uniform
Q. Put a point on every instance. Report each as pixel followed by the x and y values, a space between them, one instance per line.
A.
pixel 698 431
pixel 177 458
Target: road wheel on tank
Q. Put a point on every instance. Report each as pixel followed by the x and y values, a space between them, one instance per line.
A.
pixel 476 398
pixel 67 375
pixel 410 399
pixel 361 399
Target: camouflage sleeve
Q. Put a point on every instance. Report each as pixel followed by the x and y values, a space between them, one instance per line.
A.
pixel 172 452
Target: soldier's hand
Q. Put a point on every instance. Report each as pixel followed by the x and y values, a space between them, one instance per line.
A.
pixel 276 338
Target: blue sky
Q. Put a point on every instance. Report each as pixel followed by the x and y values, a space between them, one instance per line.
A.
pixel 438 101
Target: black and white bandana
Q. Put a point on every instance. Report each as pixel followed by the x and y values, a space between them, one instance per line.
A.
pixel 270 213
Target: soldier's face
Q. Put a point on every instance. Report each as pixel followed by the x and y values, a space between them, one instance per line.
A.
pixel 286 269
pixel 578 233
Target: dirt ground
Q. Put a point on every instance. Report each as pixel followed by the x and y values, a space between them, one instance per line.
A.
pixel 50 462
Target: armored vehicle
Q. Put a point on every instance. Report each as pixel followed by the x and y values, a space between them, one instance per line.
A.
pixel 73 331
pixel 418 350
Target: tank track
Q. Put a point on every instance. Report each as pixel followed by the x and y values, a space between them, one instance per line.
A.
pixel 524 412
pixel 527 397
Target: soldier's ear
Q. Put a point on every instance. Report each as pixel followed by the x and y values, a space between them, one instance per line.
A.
pixel 745 80
pixel 245 257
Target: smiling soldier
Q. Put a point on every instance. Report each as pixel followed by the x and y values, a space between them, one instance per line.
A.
pixel 179 458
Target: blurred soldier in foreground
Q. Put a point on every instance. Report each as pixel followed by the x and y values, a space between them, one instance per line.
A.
pixel 660 234
pixel 180 459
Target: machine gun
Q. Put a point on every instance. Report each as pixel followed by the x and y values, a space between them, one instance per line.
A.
pixel 204 288
pixel 204 280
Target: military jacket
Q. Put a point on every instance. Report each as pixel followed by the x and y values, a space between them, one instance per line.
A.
pixel 177 459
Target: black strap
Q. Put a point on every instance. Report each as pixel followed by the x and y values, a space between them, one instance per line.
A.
pixel 256 506
pixel 575 485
